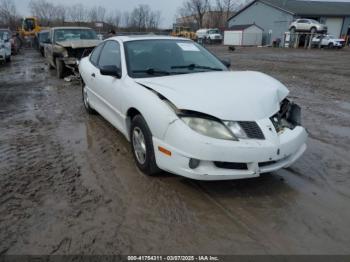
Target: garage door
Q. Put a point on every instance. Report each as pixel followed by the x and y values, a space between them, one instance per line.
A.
pixel 334 26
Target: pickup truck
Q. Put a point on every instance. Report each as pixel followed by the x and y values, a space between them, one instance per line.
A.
pixel 66 46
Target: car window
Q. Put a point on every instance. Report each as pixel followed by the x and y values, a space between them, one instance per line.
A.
pixel 96 54
pixel 110 55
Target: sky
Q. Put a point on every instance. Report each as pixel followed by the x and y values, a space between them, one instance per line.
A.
pixel 168 8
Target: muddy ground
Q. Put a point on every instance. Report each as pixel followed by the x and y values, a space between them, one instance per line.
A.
pixel 69 185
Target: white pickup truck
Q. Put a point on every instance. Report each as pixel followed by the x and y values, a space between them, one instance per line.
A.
pixel 209 35
pixel 329 41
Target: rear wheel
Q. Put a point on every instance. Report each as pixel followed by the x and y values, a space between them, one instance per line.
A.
pixel 8 59
pixel 59 68
pixel 142 146
pixel 313 30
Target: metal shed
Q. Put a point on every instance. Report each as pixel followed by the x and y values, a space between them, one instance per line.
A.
pixel 243 35
pixel 275 16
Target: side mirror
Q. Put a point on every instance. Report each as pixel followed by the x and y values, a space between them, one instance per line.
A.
pixel 226 62
pixel 111 70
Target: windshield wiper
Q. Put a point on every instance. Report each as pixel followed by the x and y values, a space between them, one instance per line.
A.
pixel 152 71
pixel 193 66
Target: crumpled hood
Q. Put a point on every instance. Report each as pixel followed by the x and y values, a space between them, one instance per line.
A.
pixel 79 43
pixel 240 96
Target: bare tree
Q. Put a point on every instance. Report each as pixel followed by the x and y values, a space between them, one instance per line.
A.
pixel 114 18
pixel 8 13
pixel 47 12
pixel 195 9
pixel 78 13
pixel 97 14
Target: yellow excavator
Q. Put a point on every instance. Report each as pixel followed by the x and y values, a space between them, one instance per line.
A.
pixel 182 31
pixel 30 27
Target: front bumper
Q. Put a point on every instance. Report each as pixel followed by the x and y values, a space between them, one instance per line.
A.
pixel 259 156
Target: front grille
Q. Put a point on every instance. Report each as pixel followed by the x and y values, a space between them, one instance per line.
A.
pixel 252 130
pixel 231 165
pixel 263 164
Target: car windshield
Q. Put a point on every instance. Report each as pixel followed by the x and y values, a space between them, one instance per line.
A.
pixel 62 35
pixel 331 37
pixel 214 31
pixel 151 58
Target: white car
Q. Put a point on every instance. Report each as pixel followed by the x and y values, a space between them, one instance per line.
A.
pixel 186 113
pixel 307 25
pixel 329 41
pixel 5 45
pixel 211 35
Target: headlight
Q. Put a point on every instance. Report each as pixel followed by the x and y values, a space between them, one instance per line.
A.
pixel 208 127
pixel 236 129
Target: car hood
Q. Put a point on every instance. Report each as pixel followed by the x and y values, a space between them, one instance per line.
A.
pixel 79 43
pixel 240 96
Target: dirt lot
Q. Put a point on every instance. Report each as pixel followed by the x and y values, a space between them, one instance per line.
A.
pixel 68 183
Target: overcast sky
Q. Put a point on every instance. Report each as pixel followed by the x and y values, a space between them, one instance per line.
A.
pixel 168 8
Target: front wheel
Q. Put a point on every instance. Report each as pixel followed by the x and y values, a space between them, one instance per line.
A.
pixel 8 59
pixel 86 99
pixel 142 146
pixel 330 45
pixel 59 68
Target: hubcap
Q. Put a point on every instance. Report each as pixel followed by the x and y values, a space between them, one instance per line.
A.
pixel 139 145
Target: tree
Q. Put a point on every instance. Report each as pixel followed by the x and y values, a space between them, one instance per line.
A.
pixel 47 12
pixel 195 8
pixel 78 13
pixel 8 13
pixel 97 14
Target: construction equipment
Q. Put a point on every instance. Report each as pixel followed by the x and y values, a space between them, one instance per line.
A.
pixel 30 26
pixel 182 31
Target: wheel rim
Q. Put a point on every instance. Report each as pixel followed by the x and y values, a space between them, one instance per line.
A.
pixel 139 144
pixel 85 98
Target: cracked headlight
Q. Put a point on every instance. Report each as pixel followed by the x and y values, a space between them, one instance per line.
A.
pixel 236 129
pixel 209 127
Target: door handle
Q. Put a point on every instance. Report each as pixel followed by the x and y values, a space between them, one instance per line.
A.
pixel 93 75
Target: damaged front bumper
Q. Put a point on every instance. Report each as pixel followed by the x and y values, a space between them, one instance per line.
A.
pixel 214 159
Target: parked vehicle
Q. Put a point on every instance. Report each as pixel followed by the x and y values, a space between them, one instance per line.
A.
pixel 67 45
pixel 15 44
pixel 186 113
pixel 209 35
pixel 5 45
pixel 329 41
pixel 308 25
pixel 41 38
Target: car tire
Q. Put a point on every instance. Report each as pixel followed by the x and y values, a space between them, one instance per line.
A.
pixel 8 59
pixel 292 30
pixel 142 146
pixel 85 97
pixel 59 68
pixel 313 30
pixel 330 45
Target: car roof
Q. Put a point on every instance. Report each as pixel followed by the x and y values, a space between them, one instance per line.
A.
pixel 128 38
pixel 71 27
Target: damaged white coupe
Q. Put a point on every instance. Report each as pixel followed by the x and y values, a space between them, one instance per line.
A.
pixel 184 112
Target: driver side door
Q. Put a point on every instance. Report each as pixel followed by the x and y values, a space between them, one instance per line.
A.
pixel 110 88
